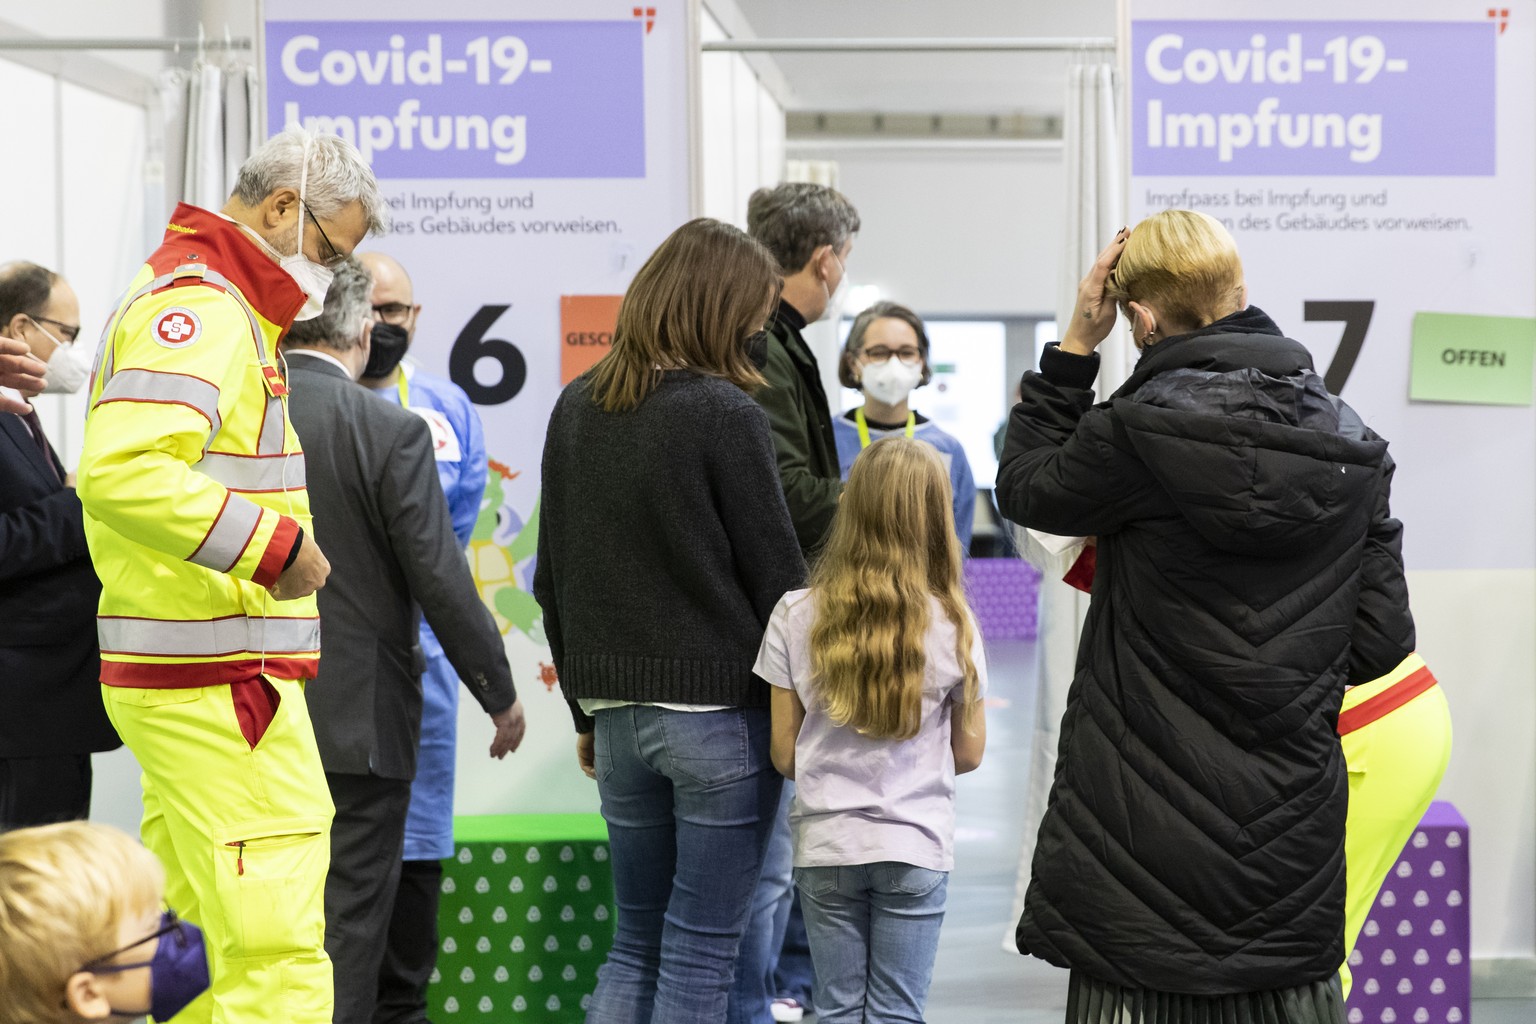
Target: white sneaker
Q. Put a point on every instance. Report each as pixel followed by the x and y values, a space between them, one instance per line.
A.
pixel 786 1011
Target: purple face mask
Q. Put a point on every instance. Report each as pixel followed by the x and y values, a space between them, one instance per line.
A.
pixel 178 972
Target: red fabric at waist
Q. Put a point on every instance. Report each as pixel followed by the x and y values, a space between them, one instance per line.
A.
pixel 1385 702
pixel 189 674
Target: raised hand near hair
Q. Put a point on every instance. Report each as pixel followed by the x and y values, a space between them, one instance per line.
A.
pixel 21 370
pixel 305 576
pixel 1094 315
pixel 510 726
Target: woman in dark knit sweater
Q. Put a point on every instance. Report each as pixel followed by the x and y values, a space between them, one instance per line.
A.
pixel 664 544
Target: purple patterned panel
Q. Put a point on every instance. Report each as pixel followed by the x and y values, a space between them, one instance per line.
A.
pixel 1004 594
pixel 1412 964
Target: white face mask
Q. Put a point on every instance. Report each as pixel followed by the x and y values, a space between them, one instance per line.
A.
pixel 67 371
pixel 836 295
pixel 891 381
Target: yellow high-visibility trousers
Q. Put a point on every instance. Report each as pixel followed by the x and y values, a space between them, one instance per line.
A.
pixel 1395 765
pixel 244 833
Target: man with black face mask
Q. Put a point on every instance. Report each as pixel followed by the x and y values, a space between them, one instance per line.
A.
pixel 458 442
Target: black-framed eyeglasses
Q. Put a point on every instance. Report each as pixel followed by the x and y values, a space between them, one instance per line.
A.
pixel 879 354
pixel 336 258
pixel 70 331
pixel 170 924
pixel 396 313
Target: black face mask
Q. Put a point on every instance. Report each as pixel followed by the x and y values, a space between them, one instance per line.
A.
pixel 387 347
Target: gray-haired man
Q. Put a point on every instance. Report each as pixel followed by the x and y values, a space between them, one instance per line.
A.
pixel 197 517
pixel 809 229
pixel 374 489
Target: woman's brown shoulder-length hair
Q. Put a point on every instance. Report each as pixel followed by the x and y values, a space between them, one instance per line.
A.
pixel 693 305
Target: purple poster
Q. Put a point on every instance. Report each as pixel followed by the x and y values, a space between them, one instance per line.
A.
pixel 467 99
pixel 1313 97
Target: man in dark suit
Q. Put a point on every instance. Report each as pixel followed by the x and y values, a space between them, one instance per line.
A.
pixel 50 668
pixel 377 502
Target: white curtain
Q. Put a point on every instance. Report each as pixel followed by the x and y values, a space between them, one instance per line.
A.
pixel 1094 176
pixel 206 127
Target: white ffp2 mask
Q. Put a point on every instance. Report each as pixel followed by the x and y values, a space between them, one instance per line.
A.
pixel 891 381
pixel 67 371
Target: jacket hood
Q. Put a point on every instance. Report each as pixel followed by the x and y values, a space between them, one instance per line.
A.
pixel 1248 442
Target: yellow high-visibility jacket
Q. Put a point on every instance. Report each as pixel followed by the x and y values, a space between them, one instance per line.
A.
pixel 191 478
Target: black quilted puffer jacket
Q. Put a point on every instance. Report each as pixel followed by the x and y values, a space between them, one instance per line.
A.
pixel 1247 569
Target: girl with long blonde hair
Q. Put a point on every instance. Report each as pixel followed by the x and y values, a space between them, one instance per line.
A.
pixel 878 676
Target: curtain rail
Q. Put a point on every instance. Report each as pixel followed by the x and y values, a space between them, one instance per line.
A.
pixel 956 45
pixel 190 45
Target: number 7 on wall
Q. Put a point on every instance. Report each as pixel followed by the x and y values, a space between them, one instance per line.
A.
pixel 1356 316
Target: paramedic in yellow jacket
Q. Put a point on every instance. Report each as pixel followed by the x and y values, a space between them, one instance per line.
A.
pixel 198 522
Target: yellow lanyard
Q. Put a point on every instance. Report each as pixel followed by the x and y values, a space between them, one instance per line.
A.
pixel 858 417
pixel 403 388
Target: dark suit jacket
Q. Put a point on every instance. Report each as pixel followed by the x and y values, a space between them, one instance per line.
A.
pixel 50 667
pixel 383 523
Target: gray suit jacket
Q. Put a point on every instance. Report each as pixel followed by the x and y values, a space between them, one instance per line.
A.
pixel 382 521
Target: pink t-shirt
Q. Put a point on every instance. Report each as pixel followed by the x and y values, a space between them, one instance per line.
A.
pixel 860 800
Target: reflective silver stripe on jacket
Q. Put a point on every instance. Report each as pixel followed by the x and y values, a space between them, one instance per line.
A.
pixel 253 473
pixel 215 638
pixel 227 539
pixel 270 441
pixel 158 386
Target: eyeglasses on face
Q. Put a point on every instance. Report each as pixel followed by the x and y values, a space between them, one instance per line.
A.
pixel 336 257
pixel 69 331
pixel 170 925
pixel 396 313
pixel 910 355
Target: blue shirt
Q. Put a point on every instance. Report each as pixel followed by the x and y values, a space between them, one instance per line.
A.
pixel 846 431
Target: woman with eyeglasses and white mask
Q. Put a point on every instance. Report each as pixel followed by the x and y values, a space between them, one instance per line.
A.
pixel 886 357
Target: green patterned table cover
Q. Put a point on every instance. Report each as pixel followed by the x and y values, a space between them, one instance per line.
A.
pixel 525 920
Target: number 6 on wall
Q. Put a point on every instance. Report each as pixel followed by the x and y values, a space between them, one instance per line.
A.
pixel 472 345
pixel 1356 315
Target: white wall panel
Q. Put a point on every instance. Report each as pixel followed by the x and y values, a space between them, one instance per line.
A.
pixel 957 232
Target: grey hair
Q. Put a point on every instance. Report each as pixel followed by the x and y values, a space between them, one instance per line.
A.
pixel 338 175
pixel 24 288
pixel 340 325
pixel 796 218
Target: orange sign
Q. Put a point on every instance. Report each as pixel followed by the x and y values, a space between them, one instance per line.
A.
pixel 586 332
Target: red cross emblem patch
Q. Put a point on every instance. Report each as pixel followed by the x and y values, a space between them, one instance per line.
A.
pixel 177 327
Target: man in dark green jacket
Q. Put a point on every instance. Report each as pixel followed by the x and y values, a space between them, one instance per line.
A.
pixel 809 229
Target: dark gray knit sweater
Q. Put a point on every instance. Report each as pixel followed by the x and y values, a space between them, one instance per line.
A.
pixel 664 544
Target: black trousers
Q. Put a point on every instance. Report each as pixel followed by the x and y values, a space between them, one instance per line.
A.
pixel 43 790
pixel 412 951
pixel 367 841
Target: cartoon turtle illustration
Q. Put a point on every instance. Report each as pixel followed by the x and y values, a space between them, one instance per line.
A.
pixel 502 549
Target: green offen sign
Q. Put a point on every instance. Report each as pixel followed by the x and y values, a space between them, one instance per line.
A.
pixel 1480 360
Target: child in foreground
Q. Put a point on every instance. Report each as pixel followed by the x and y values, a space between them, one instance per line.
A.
pixel 878 677
pixel 82 933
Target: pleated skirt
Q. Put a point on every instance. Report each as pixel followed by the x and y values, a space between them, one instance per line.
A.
pixel 1090 1001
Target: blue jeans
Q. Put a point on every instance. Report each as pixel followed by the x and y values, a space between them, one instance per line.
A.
pixel 689 797
pixel 753 988
pixel 874 932
pixel 795 975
